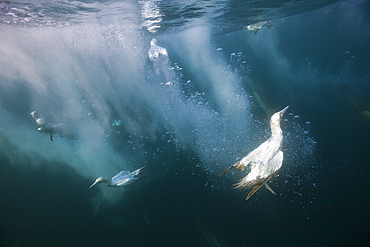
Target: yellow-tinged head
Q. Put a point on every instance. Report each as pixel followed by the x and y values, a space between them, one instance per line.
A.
pixel 275 119
pixel 99 180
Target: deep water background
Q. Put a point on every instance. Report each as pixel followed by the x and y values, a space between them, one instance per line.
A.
pixel 88 75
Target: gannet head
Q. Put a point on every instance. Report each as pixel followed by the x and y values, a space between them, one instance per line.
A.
pixel 275 119
pixel 35 114
pixel 153 42
pixel 99 180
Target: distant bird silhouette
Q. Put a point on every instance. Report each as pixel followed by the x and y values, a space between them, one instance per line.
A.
pixel 265 161
pixel 123 178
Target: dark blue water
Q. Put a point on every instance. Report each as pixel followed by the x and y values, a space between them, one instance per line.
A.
pixel 187 118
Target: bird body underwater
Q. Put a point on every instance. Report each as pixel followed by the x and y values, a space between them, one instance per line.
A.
pixel 46 127
pixel 123 178
pixel 265 161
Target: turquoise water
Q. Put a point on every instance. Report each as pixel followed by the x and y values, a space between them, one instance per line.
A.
pixel 187 117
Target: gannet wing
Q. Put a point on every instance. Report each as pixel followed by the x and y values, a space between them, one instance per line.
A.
pixel 125 178
pixel 128 181
pixel 239 166
pixel 123 182
pixel 121 179
pixel 253 156
pixel 231 167
pixel 276 162
pixel 120 174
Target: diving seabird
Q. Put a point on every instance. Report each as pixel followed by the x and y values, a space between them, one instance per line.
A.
pixel 254 28
pixel 155 50
pixel 123 178
pixel 45 127
pixel 265 161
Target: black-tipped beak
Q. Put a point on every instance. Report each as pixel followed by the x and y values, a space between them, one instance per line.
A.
pixel 93 184
pixel 281 113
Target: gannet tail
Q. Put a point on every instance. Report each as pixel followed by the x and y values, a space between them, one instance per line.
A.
pixel 139 171
pixel 256 184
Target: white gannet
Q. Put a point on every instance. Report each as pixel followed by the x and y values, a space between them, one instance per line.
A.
pixel 265 161
pixel 45 127
pixel 123 178
pixel 155 50
pixel 254 28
